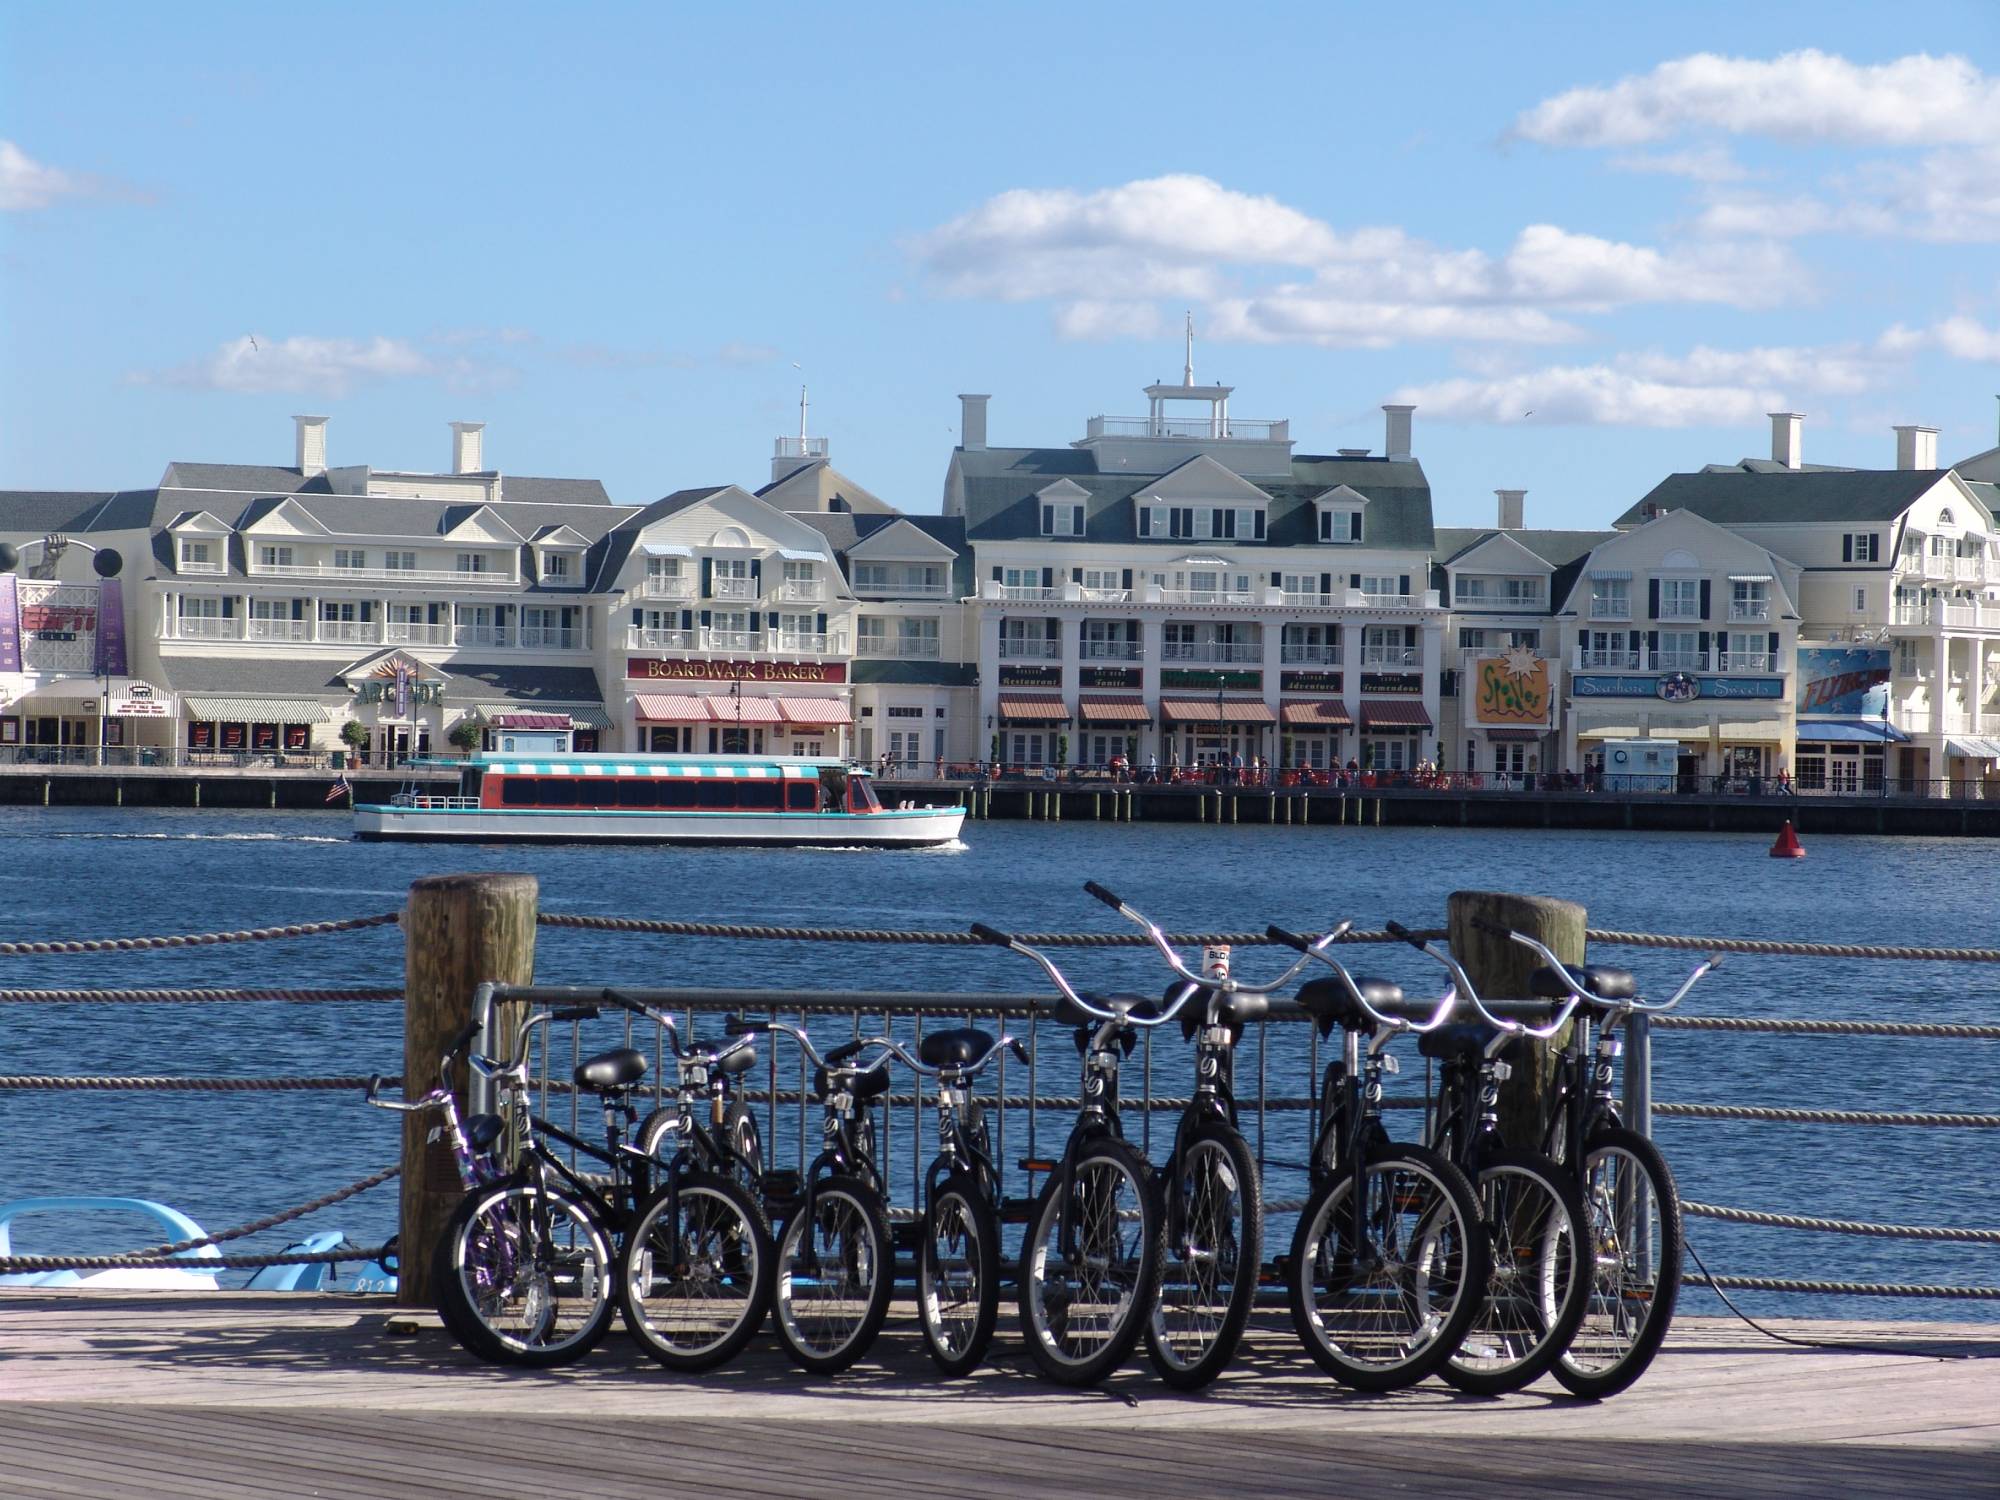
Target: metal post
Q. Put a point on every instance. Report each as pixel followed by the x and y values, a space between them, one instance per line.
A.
pixel 1639 1074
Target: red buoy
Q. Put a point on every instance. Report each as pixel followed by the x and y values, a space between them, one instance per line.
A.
pixel 1788 845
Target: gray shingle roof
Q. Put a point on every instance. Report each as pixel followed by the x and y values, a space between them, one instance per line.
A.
pixel 1552 547
pixel 609 554
pixel 37 512
pixel 1737 497
pixel 259 479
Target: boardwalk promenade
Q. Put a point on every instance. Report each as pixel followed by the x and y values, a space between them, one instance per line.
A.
pixel 117 1394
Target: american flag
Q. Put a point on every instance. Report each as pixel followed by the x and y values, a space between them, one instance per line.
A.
pixel 341 788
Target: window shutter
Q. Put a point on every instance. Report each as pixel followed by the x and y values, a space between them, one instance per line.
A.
pixel 1277 580
pixel 299 610
pixel 1145 520
pixel 1653 598
pixel 1051 630
pixel 1704 598
pixel 996 573
pixel 1721 640
pixel 1076 575
pixel 819 624
pixel 1704 643
pixel 228 607
pixel 1403 585
pixel 1652 640
pixel 1847 548
pixel 1354 580
pixel 1048 519
pixel 1774 648
pixel 1326 584
pixel 756 575
pixel 1354 526
pixel 1076 519
pixel 704 619
pixel 1048 578
pixel 1257 524
pixel 707 577
pixel 1632 643
pixel 1410 637
pixel 1127 584
pixel 687 619
pixel 638 619
pixel 771 620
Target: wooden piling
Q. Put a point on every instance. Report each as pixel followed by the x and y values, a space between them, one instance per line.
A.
pixel 1499 968
pixel 459 931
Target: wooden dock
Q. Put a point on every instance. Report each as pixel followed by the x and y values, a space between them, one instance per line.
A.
pixel 249 1395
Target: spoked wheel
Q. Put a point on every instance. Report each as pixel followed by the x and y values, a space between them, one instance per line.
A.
pixel 698 1271
pixel 1090 1264
pixel 1214 1248
pixel 1537 1289
pixel 1632 1215
pixel 524 1276
pixel 747 1141
pixel 835 1268
pixel 1383 1290
pixel 958 1275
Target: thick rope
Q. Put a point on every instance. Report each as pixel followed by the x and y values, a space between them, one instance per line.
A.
pixel 1827 1116
pixel 194 997
pixel 1841 1226
pixel 763 931
pixel 199 1265
pixel 200 939
pixel 1846 1288
pixel 1790 948
pixel 165 1085
pixel 1828 1028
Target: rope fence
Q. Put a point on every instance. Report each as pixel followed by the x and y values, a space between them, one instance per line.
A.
pixel 198 996
pixel 200 939
pixel 1841 1226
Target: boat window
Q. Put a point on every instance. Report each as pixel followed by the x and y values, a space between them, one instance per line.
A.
pixel 801 796
pixel 864 796
pixel 717 794
pixel 678 794
pixel 557 791
pixel 638 792
pixel 468 781
pixel 599 793
pixel 833 786
pixel 759 796
pixel 518 791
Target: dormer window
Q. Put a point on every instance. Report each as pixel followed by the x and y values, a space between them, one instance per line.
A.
pixel 1203 523
pixel 199 557
pixel 556 567
pixel 1339 524
pixel 1061 518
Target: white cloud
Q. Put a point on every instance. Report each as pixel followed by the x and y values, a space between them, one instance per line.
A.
pixel 1552 265
pixel 1844 369
pixel 1701 164
pixel 26 184
pixel 1960 337
pixel 1809 95
pixel 254 364
pixel 1108 320
pixel 1948 196
pixel 1306 315
pixel 1594 395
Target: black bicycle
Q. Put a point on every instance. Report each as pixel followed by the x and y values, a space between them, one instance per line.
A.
pixel 1389 1263
pixel 1632 1207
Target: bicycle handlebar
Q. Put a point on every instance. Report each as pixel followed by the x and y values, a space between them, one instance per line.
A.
pixel 1463 981
pixel 835 1061
pixel 1446 1004
pixel 1707 966
pixel 1223 983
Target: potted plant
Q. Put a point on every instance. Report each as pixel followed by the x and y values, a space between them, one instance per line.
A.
pixel 355 734
pixel 467 733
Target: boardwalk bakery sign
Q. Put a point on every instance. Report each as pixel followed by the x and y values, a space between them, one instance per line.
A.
pixel 1511 689
pixel 653 669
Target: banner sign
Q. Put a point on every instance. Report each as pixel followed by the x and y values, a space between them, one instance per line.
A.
pixel 1102 677
pixel 1309 682
pixel 654 669
pixel 140 700
pixel 1209 682
pixel 111 632
pixel 1677 690
pixel 1510 690
pixel 1851 681
pixel 1018 676
pixel 10 623
pixel 1373 684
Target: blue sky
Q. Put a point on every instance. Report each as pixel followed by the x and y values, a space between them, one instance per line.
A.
pixel 610 232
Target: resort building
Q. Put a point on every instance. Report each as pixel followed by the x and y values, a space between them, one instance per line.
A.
pixel 1192 589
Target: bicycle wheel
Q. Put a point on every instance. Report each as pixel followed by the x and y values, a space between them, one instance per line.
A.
pixel 958 1274
pixel 834 1272
pixel 1538 1282
pixel 524 1276
pixel 1382 1303
pixel 740 1130
pixel 1214 1251
pixel 698 1271
pixel 1632 1215
pixel 1091 1263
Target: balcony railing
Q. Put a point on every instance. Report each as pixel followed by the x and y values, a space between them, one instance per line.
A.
pixel 802 590
pixel 732 640
pixel 1680 661
pixel 350 632
pixel 1971 569
pixel 278 630
pixel 1749 609
pixel 1207 596
pixel 1309 656
pixel 923 647
pixel 1189 427
pixel 803 642
pixel 1024 650
pixel 480 635
pixel 1030 592
pixel 1211 651
pixel 640 639
pixel 1103 596
pixel 1111 651
pixel 668 586
pixel 200 567
pixel 209 628
pixel 383 575
pixel 551 637
pixel 1964 616
pixel 416 633
pixel 1309 599
pixel 1607 661
pixel 1937 567
pixel 1391 656
pixel 732 588
pixel 1745 661
pixel 904 590
pixel 1675 609
pixel 1611 609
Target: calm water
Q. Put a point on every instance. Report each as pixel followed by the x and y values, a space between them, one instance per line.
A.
pixel 102 872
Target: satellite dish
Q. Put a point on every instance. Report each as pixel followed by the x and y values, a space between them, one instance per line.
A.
pixel 107 562
pixel 10 557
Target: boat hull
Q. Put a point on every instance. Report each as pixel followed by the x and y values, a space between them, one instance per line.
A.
pixel 894 828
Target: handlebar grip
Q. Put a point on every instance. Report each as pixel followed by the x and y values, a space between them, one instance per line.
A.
pixel 1091 887
pixel 1714 961
pixel 991 935
pixel 463 1040
pixel 575 1013
pixel 1019 1049
pixel 843 1052
pixel 737 1025
pixel 374 1086
pixel 1398 930
pixel 1278 934
pixel 1492 928
pixel 612 997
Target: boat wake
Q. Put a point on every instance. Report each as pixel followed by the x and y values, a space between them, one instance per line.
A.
pixel 190 838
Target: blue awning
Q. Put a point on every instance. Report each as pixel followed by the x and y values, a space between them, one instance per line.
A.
pixel 1849 732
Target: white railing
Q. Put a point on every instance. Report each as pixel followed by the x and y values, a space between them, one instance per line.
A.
pixel 1309 599
pixel 1210 651
pixel 802 590
pixel 639 638
pixel 732 640
pixel 805 642
pixel 1257 430
pixel 1390 656
pixel 351 632
pixel 416 633
pixel 923 646
pixel 732 588
pixel 1680 661
pixel 551 637
pixel 1968 568
pixel 1388 601
pixel 1102 596
pixel 1752 609
pixel 1027 591
pixel 209 628
pixel 381 575
pixel 1602 661
pixel 201 567
pixel 278 630
pixel 1913 614
pixel 1206 596
pixel 1024 650
pixel 1744 661
pixel 1610 609
pixel 675 587
pixel 801 448
pixel 1937 567
pixel 904 590
pixel 1312 656
pixel 1963 615
pixel 1674 610
pixel 1111 651
pixel 480 635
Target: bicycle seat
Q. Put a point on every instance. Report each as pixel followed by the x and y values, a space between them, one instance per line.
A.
pixel 1462 1040
pixel 610 1071
pixel 1136 1006
pixel 870 1085
pixel 737 1062
pixel 954 1049
pixel 1328 1002
pixel 483 1130
pixel 1234 1011
pixel 1600 981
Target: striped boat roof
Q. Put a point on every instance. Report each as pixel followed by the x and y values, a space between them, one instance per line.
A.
pixel 744 772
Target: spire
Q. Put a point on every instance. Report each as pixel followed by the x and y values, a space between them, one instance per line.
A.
pixel 803 405
pixel 1187 369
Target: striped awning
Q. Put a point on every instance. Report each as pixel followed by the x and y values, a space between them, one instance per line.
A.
pixel 724 709
pixel 1971 747
pixel 256 710
pixel 1321 713
pixel 1513 736
pixel 1108 710
pixel 530 721
pixel 1037 709
pixel 1394 713
pixel 1208 711
pixel 580 715
pixel 670 708
pixel 813 712
pixel 608 766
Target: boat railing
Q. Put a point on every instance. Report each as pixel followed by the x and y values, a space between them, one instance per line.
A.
pixel 426 802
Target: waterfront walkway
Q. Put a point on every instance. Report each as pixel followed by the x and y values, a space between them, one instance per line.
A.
pixel 118 1394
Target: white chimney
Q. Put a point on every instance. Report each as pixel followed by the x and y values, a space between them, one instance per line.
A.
pixel 1397 431
pixel 1511 508
pixel 1786 446
pixel 467 455
pixel 972 423
pixel 311 446
pixel 1916 447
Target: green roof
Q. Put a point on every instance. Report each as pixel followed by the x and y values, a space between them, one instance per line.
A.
pixel 1732 497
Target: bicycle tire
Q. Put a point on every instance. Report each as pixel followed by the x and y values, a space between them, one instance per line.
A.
pixel 510 1296
pixel 826 1324
pixel 1537 1290
pixel 958 1267
pixel 1627 1315
pixel 728 1251
pixel 1109 1185
pixel 1393 1319
pixel 1210 1269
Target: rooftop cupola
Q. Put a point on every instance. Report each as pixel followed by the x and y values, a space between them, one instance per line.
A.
pixel 791 453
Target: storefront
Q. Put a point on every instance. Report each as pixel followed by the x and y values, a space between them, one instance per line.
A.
pixel 738 724
pixel 268 727
pixel 1313 732
pixel 1217 731
pixel 1392 733
pixel 1843 757
pixel 1112 724
pixel 1033 730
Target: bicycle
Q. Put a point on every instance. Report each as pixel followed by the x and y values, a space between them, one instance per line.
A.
pixel 1090 1262
pixel 835 1259
pixel 697 1265
pixel 1389 1261
pixel 1212 1197
pixel 1532 1209
pixel 1632 1204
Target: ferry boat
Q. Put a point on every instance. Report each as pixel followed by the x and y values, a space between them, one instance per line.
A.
pixel 657 799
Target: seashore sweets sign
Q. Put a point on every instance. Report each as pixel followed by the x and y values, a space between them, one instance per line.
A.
pixel 657 669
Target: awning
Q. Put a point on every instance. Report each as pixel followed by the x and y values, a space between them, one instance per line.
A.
pixel 670 708
pixel 1321 713
pixel 1106 710
pixel 1849 732
pixel 1513 736
pixel 1610 732
pixel 1208 711
pixel 588 718
pixel 665 549
pixel 1750 578
pixel 1972 749
pixel 793 556
pixel 1396 713
pixel 814 712
pixel 726 709
pixel 530 721
pixel 1022 709
pixel 1611 573
pixel 256 710
pixel 1751 731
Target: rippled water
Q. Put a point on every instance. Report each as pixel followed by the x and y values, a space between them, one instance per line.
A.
pixel 102 872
